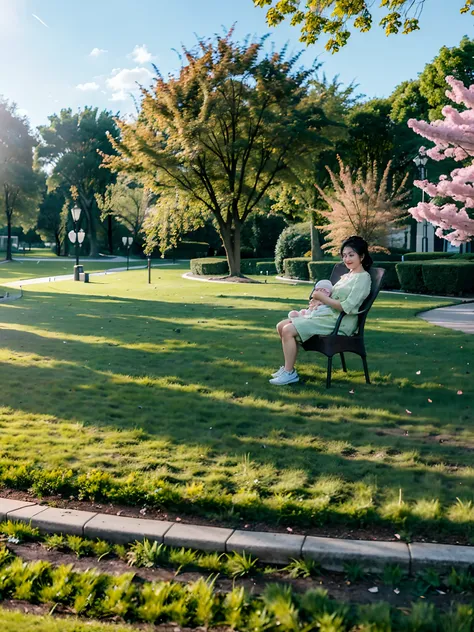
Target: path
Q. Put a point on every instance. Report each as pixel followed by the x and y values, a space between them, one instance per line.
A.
pixel 458 317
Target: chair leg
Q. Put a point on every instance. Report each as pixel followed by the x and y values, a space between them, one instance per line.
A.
pixel 366 369
pixel 328 376
pixel 343 361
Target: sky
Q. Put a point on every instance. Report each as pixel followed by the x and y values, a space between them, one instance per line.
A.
pixel 57 54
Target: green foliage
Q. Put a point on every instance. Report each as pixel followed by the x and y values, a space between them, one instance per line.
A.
pixel 211 562
pixel 203 601
pixel 101 548
pixel 78 545
pixel 426 256
pixel 249 266
pixel 209 266
pixel 56 541
pixel 294 241
pixel 94 485
pixel 393 575
pixel 188 250
pixel 296 268
pixel 353 572
pixel 147 554
pixel 240 565
pixel 233 607
pixel 183 558
pixel 302 568
pixel 51 482
pixel 60 589
pixel 390 279
pixel 21 531
pixel 119 596
pixel 319 270
pixel 410 276
pixel 264 268
pixel 450 278
pixel 279 602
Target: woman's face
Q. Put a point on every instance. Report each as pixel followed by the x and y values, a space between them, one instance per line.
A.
pixel 351 259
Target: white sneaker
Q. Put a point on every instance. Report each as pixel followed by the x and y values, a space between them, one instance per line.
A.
pixel 286 377
pixel 279 372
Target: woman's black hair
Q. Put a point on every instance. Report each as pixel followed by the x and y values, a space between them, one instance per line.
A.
pixel 361 247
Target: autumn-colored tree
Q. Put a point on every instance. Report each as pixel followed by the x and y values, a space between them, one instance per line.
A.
pixel 215 138
pixel 362 203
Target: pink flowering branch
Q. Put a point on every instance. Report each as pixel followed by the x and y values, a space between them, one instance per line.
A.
pixel 453 138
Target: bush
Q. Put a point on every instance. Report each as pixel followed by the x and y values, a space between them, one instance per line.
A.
pixel 188 250
pixel 390 278
pixel 319 270
pixel 294 241
pixel 410 276
pixel 465 256
pixel 381 256
pixel 426 256
pixel 249 266
pixel 266 266
pixel 297 268
pixel 247 253
pixel 209 265
pixel 450 278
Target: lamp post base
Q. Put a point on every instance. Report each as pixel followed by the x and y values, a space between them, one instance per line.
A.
pixel 77 272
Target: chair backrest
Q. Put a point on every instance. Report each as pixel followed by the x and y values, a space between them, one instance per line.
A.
pixel 376 274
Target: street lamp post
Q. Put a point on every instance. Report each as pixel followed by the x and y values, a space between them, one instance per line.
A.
pixel 420 161
pixel 127 242
pixel 76 237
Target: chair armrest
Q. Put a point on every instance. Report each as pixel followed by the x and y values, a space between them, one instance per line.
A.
pixel 338 324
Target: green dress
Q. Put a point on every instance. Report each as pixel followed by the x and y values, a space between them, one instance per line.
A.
pixel 351 290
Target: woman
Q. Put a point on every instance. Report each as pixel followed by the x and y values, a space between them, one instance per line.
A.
pixel 348 295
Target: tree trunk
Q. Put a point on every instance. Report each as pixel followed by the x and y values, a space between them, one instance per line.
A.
pixel 91 231
pixel 231 239
pixel 316 252
pixel 58 244
pixel 9 236
pixel 110 235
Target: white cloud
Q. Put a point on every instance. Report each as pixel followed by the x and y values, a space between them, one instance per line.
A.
pixel 96 52
pixel 141 54
pixel 124 81
pixel 92 86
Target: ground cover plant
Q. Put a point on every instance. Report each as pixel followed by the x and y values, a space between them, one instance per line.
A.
pixel 158 396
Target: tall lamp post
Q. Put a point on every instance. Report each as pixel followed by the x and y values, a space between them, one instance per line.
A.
pixel 76 236
pixel 420 161
pixel 127 242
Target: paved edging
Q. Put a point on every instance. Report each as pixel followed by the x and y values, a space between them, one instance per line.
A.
pixel 330 553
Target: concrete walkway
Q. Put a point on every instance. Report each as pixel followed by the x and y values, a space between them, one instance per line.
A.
pixel 279 548
pixel 458 317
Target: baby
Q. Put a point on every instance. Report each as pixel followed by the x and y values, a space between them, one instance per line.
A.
pixel 314 306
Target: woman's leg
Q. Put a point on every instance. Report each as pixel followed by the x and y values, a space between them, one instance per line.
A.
pixel 290 346
pixel 281 324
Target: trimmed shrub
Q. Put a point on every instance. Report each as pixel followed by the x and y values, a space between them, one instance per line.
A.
pixel 294 241
pixel 465 256
pixel 188 250
pixel 384 257
pixel 319 270
pixel 410 276
pixel 427 256
pixel 247 253
pixel 390 278
pixel 450 278
pixel 249 266
pixel 296 268
pixel 209 265
pixel 266 266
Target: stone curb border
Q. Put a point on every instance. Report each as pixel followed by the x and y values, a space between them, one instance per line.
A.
pixel 279 548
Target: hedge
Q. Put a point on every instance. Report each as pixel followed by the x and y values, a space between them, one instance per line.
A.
pixel 410 276
pixel 390 278
pixel 451 278
pixel 266 266
pixel 210 265
pixel 296 268
pixel 319 270
pixel 249 266
pixel 188 250
pixel 427 256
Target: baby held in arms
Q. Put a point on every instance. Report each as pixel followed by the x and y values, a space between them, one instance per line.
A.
pixel 315 308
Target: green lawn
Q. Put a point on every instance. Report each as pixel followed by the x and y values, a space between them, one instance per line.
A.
pixel 158 394
pixel 20 622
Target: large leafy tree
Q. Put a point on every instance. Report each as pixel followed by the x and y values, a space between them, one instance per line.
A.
pixel 215 138
pixel 20 184
pixel 336 18
pixel 70 147
pixel 52 218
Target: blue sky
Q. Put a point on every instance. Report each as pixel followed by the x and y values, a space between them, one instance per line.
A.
pixel 46 62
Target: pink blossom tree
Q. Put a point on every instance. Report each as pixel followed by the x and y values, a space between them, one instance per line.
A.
pixel 451 208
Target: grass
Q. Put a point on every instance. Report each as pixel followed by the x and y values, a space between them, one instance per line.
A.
pixel 158 394
pixel 20 622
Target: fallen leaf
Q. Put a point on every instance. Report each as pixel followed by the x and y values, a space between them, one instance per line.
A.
pixel 430 400
pixel 352 392
pixel 178 519
pixel 440 592
pixel 289 529
pixel 418 372
pixel 396 591
pixel 408 412
pixel 398 536
pixel 459 392
pixel 373 590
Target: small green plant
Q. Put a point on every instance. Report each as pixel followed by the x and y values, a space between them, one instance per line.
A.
pixel 211 562
pixel 353 572
pixel 55 541
pixel 393 575
pixel 121 552
pixel 78 545
pixel 182 558
pixel 203 600
pixel 119 596
pixel 459 581
pixel 26 577
pixel 233 608
pixel 61 588
pixel 426 580
pixel 332 622
pixel 101 548
pixel 459 619
pixel 239 565
pixel 17 532
pixel 302 568
pixel 146 553
pixel 279 602
pixel 88 585
pixel 422 617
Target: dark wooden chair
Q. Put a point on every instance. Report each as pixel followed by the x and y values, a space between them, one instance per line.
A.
pixel 335 343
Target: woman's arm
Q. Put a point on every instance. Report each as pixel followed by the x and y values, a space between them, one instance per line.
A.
pixel 327 300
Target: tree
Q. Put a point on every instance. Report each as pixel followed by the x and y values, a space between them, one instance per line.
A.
pixel 70 147
pixel 215 138
pixel 20 184
pixel 333 17
pixel 127 202
pixel 362 204
pixel 52 218
pixel 451 208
